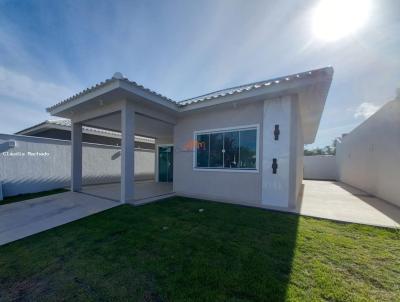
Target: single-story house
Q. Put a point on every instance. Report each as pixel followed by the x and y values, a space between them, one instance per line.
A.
pixel 243 144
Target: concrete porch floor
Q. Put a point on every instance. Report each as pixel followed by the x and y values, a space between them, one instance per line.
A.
pixel 144 191
pixel 341 202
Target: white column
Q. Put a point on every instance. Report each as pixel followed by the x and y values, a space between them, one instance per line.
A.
pixel 156 160
pixel 276 188
pixel 127 151
pixel 76 157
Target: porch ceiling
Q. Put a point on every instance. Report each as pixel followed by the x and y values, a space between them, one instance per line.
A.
pixel 144 125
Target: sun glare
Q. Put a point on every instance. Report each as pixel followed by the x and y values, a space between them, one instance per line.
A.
pixel 335 19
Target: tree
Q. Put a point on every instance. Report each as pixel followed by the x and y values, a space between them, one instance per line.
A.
pixel 327 150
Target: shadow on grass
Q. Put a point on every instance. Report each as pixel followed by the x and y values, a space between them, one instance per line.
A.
pixel 175 250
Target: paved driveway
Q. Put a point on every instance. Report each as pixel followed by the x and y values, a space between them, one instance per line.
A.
pixel 338 201
pixel 21 219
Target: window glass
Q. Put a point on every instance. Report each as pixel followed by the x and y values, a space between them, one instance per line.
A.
pixel 216 145
pixel 248 145
pixel 231 149
pixel 227 150
pixel 202 145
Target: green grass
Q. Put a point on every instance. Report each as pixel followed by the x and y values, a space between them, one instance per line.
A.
pixel 169 251
pixel 22 197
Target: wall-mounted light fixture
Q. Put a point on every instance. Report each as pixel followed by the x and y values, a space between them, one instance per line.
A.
pixel 12 144
pixel 274 166
pixel 276 132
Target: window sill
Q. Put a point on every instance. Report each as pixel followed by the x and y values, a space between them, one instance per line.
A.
pixel 227 170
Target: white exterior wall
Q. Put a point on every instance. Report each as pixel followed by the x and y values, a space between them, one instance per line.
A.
pixel 298 141
pixel 369 157
pixel 276 187
pixel 230 186
pixel 320 167
pixel 27 174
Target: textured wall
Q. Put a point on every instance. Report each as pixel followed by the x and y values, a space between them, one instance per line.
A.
pixel 39 164
pixel 320 167
pixel 369 157
pixel 276 188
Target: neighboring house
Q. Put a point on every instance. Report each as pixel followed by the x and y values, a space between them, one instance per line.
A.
pixel 243 144
pixel 368 157
pixel 61 129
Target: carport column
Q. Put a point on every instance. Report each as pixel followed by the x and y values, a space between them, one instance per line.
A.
pixel 156 142
pixel 76 157
pixel 127 151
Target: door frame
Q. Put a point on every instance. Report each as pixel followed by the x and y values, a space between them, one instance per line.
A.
pixel 157 176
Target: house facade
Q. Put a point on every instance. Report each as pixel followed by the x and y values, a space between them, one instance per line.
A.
pixel 243 144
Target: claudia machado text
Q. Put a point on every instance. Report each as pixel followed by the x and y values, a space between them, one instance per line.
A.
pixel 23 154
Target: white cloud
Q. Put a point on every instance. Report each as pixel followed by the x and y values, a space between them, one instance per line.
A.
pixel 365 110
pixel 15 117
pixel 21 87
pixel 23 99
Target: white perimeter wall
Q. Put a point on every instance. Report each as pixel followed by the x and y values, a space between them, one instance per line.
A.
pixel 28 173
pixel 369 157
pixel 320 167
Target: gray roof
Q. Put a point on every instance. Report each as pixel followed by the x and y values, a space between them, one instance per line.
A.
pixel 101 84
pixel 208 96
pixel 67 124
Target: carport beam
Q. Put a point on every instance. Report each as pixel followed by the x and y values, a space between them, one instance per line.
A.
pixel 127 151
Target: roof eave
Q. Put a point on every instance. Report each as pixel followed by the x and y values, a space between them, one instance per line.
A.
pixel 107 87
pixel 270 91
pixel 33 129
pixel 86 96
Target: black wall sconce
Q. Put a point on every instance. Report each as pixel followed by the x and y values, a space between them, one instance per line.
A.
pixel 274 165
pixel 276 132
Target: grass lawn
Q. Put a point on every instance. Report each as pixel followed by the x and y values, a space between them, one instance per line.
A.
pixel 169 251
pixel 22 197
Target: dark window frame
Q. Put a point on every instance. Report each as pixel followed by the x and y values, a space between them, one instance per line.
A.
pixel 239 168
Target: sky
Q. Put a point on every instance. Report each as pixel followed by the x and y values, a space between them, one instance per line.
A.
pixel 50 50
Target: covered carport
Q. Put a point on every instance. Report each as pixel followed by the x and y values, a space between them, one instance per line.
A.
pixel 119 105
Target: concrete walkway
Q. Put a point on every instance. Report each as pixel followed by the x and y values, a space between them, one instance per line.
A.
pixel 21 219
pixel 143 190
pixel 338 201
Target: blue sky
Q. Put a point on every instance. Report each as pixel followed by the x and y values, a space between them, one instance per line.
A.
pixel 50 50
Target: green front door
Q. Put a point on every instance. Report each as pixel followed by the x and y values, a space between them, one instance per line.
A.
pixel 165 163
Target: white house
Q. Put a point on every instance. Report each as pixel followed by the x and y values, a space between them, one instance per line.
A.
pixel 243 144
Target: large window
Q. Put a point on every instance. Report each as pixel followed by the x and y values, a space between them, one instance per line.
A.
pixel 234 149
